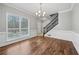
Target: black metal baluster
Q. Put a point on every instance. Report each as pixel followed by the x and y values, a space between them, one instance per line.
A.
pixel 52 24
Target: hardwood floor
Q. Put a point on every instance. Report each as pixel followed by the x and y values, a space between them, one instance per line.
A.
pixel 40 46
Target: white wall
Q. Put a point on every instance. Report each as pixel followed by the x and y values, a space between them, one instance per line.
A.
pixel 2 19
pixel 6 9
pixel 75 18
pixel 38 26
pixel 64 21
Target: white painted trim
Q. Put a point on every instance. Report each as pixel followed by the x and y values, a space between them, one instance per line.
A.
pixel 2 32
pixel 67 10
pixel 19 9
pixel 20 17
pixel 17 39
pixel 28 24
pixel 72 6
pixel 14 41
pixel 76 41
pixel 6 26
pixel 20 24
pixel 66 35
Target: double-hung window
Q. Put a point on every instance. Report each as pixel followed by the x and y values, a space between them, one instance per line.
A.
pixel 24 26
pixel 17 26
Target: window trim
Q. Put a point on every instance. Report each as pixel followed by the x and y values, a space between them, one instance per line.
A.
pixel 20 17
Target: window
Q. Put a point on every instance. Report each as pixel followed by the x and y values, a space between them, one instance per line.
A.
pixel 13 26
pixel 24 26
pixel 17 26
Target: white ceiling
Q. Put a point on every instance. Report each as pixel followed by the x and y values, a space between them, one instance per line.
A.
pixel 50 8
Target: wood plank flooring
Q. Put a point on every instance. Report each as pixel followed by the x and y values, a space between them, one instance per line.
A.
pixel 40 46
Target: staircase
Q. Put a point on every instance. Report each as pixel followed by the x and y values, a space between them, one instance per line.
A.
pixel 52 23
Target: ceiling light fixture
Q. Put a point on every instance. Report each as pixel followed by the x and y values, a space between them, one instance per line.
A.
pixel 40 13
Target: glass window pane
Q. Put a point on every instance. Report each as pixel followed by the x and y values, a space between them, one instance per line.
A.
pixel 13 21
pixel 14 26
pixel 13 33
pixel 24 23
pixel 24 31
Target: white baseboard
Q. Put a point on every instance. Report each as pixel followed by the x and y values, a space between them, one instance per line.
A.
pixel 4 41
pixel 76 41
pixel 66 35
pixel 13 41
